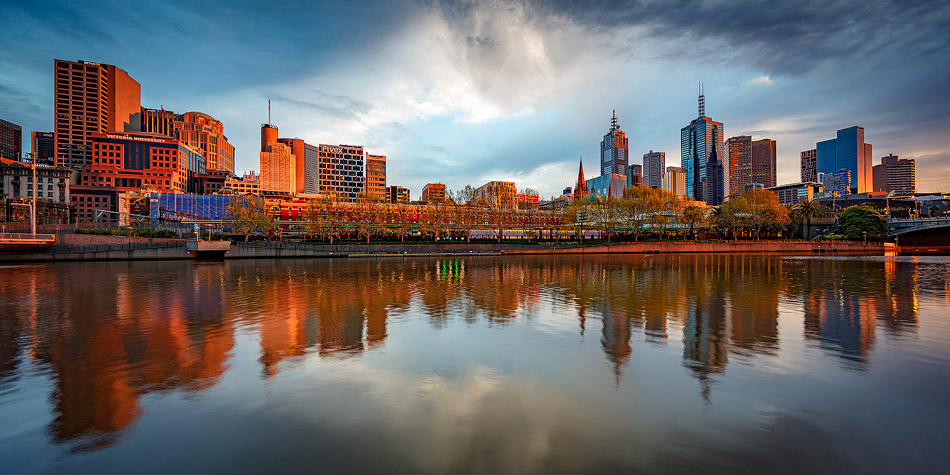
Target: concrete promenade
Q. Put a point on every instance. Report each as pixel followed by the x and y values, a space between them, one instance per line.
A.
pixel 146 249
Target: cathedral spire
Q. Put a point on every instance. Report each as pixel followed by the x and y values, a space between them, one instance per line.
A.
pixel 580 190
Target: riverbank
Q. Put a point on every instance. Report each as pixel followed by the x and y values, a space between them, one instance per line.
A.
pixel 83 248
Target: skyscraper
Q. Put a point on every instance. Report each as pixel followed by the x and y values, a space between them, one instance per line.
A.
pixel 376 176
pixel 738 153
pixel 614 150
pixel 341 170
pixel 698 140
pixel 42 146
pixel 847 151
pixel 809 166
pixel 205 133
pixel 91 98
pixel 306 164
pixel 11 140
pixel 674 181
pixel 714 181
pixel 763 162
pixel 635 175
pixel 895 174
pixel 653 165
pixel 278 162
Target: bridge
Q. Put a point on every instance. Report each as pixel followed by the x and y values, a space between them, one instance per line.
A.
pixel 27 240
pixel 898 227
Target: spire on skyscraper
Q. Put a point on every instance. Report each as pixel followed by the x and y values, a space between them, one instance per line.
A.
pixel 702 101
pixel 613 122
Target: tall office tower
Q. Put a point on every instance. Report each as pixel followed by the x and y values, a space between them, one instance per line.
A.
pixel 11 140
pixel 674 181
pixel 376 176
pixel 614 150
pixel 714 185
pixel 653 165
pixel 278 169
pixel 91 98
pixel 42 145
pixel 580 189
pixel 205 133
pixel 810 166
pixel 306 164
pixel 738 153
pixel 847 151
pixel 697 142
pixel 763 162
pixel 895 174
pixel 634 175
pixel 433 193
pixel 158 121
pixel 341 170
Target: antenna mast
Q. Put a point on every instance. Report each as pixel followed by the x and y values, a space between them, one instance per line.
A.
pixel 702 101
pixel 268 111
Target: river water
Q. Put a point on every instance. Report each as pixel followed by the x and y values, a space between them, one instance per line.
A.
pixel 578 364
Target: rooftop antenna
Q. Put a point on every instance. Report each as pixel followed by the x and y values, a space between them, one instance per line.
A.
pixel 613 121
pixel 702 101
pixel 268 111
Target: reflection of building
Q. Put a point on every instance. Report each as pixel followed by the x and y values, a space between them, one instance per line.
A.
pixel 843 322
pixel 705 343
pixel 847 151
pixel 91 98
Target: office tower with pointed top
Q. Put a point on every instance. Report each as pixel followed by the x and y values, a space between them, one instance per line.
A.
pixel 614 150
pixel 698 141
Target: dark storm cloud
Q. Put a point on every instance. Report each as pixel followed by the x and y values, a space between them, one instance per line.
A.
pixel 787 37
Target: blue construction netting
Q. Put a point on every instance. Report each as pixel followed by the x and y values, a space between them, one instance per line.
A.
pixel 188 206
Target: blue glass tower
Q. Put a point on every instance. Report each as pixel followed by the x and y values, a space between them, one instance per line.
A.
pixel 697 142
pixel 847 151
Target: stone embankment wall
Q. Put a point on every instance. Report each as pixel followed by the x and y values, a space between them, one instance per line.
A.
pixel 86 247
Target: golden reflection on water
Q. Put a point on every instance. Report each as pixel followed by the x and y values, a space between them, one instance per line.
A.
pixel 109 333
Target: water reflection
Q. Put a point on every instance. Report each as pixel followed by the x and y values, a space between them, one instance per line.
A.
pixel 109 333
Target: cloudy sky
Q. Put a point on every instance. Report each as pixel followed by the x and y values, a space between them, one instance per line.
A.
pixel 466 92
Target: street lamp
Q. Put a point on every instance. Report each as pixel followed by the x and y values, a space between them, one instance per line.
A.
pixel 30 156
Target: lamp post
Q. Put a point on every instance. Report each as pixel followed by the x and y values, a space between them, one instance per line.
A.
pixel 33 201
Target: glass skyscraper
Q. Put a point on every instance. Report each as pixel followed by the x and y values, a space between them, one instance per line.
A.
pixel 697 141
pixel 847 151
pixel 653 165
pixel 614 150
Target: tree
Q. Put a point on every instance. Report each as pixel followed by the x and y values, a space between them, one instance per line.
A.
pixel 765 211
pixel 641 205
pixel 731 215
pixel 465 196
pixel 857 220
pixel 806 210
pixel 248 215
pixel 691 216
pixel 367 213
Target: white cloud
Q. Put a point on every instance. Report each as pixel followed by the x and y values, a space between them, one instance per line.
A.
pixel 760 81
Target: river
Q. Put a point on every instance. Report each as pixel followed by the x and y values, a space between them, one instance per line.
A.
pixel 535 364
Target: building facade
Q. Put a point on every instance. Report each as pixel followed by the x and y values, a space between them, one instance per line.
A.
pixel 300 149
pixel 604 185
pixel 158 121
pixel 341 170
pixel 42 146
pixel 614 150
pixel 376 176
pixel 674 181
pixel 634 175
pixel 205 133
pixel 128 161
pixel 796 192
pixel 653 165
pixel 91 98
pixel 397 194
pixel 16 181
pixel 278 169
pixel 895 174
pixel 847 151
pixel 738 154
pixel 763 162
pixel 433 193
pixel 497 195
pixel 698 141
pixel 810 166
pixel 714 185
pixel 11 140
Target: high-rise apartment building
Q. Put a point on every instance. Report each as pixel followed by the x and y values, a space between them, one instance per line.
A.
pixel 306 164
pixel 497 194
pixel 698 141
pixel 763 162
pixel 847 151
pixel 205 133
pixel 674 181
pixel 376 176
pixel 895 174
pixel 614 150
pixel 738 154
pixel 810 166
pixel 11 140
pixel 278 169
pixel 653 165
pixel 42 145
pixel 341 170
pixel 433 193
pixel 91 98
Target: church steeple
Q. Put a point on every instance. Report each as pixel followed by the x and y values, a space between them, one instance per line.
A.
pixel 580 190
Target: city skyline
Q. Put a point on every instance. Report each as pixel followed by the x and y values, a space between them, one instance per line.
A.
pixel 451 93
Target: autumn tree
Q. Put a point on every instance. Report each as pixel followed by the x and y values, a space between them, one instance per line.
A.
pixel 765 211
pixel 691 216
pixel 248 215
